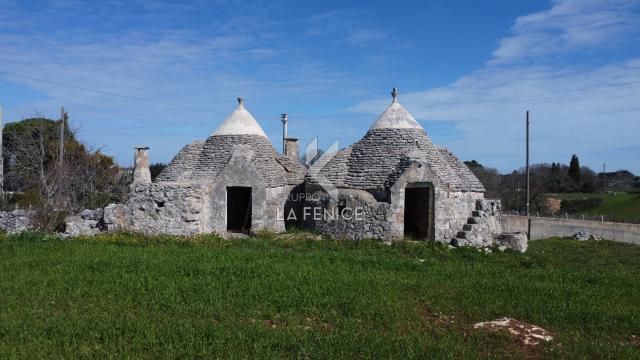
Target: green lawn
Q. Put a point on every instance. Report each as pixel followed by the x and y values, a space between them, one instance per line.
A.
pixel 135 297
pixel 619 207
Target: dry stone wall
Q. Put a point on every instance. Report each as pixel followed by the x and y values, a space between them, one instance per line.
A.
pixel 152 208
pixel 178 208
pixel 16 220
pixel 355 215
pixel 167 208
pixel 88 222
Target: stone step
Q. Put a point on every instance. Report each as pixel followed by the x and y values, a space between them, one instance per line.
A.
pixel 467 227
pixel 461 234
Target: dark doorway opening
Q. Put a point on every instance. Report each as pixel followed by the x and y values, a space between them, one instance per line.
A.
pixel 416 212
pixel 239 209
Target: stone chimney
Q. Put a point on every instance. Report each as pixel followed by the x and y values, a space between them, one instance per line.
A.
pixel 291 149
pixel 141 173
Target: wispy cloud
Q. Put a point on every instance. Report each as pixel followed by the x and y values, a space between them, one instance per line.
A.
pixel 592 110
pixel 197 72
pixel 568 26
pixel 349 26
pixel 366 36
pixel 182 55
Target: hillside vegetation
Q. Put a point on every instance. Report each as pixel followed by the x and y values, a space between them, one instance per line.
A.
pixel 621 206
pixel 294 296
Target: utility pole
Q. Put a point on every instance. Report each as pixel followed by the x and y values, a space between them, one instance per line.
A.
pixel 61 155
pixel 285 120
pixel 518 196
pixel 1 156
pixel 604 178
pixel 527 170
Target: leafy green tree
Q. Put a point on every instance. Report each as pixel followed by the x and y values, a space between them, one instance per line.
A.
pixel 84 179
pixel 28 146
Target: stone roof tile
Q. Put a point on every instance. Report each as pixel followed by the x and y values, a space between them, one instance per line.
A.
pixel 204 160
pixel 382 155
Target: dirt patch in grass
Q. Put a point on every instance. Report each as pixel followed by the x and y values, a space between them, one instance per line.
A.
pixel 502 345
pixel 434 317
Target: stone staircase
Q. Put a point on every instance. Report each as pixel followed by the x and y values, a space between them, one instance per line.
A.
pixel 481 226
pixel 469 232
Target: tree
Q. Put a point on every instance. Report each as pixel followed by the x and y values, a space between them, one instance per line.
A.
pixel 85 179
pixel 28 149
pixel 155 169
pixel 587 180
pixel 489 177
pixel 574 169
pixel 473 164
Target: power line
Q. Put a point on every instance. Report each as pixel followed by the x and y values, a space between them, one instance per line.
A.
pixel 109 93
pixel 504 101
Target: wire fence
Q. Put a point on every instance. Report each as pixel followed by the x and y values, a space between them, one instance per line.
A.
pixel 567 216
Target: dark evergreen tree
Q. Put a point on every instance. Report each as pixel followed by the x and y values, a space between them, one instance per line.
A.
pixel 473 164
pixel 574 169
pixel 156 169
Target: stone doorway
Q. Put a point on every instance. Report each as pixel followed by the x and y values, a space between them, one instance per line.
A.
pixel 417 211
pixel 239 209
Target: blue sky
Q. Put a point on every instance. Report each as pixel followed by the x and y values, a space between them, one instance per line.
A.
pixel 467 70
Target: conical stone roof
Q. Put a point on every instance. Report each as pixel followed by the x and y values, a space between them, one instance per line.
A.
pixel 204 160
pixel 395 117
pixel 382 155
pixel 240 122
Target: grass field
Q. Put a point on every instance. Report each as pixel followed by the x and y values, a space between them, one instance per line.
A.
pixel 136 297
pixel 623 207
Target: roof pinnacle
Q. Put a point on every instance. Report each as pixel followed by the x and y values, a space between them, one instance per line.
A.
pixel 394 94
pixel 241 101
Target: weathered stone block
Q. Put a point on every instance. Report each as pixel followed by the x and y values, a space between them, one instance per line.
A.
pixel 516 241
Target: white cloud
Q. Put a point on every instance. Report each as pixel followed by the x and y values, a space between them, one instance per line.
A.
pixel 199 71
pixel 591 110
pixel 576 107
pixel 569 25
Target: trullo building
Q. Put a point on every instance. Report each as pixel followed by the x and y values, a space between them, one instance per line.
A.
pixel 232 182
pixel 394 183
pixel 403 186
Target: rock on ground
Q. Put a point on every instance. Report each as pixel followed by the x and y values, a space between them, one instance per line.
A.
pixel 517 241
pixel 527 333
pixel 80 226
pixel 583 236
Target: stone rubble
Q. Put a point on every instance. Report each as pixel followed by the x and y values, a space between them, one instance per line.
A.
pixel 583 236
pixel 16 221
pixel 529 334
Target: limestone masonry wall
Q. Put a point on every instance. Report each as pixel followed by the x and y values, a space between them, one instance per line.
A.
pixel 376 217
pixel 16 220
pixel 167 208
